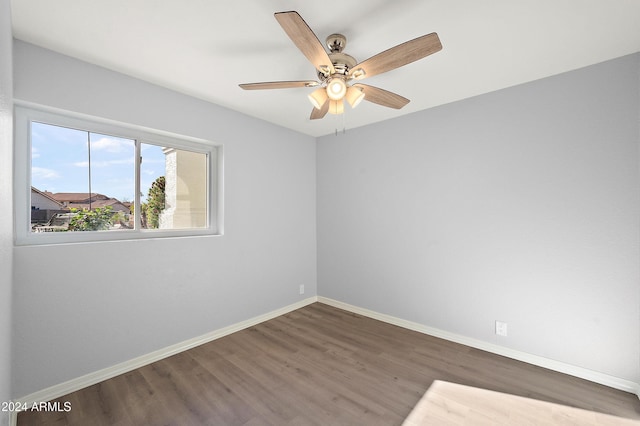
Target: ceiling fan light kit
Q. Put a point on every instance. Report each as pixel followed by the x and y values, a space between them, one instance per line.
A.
pixel 318 97
pixel 336 69
pixel 336 88
pixel 354 96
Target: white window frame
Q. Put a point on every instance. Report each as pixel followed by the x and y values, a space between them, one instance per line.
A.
pixel 25 114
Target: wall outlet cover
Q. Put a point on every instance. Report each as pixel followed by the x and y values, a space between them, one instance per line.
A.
pixel 501 328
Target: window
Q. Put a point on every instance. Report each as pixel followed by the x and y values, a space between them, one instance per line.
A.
pixel 86 179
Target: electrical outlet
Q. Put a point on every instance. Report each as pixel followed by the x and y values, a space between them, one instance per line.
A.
pixel 501 328
pixel 301 288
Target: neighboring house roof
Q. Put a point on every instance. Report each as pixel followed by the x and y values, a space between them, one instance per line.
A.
pixel 115 204
pixel 47 196
pixel 85 200
pixel 77 197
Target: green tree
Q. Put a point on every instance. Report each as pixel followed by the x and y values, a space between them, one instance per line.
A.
pixel 98 219
pixel 155 203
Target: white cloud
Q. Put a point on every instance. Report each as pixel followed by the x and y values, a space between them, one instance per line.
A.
pixel 34 152
pixel 42 173
pixel 112 145
pixel 108 163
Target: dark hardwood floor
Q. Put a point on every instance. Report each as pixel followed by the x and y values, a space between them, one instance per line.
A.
pixel 315 366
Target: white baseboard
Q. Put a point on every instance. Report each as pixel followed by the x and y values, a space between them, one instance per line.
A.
pixel 78 383
pixel 583 373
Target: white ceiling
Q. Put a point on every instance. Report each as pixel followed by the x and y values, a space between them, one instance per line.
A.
pixel 205 48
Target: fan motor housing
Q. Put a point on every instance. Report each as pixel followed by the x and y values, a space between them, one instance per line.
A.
pixel 342 62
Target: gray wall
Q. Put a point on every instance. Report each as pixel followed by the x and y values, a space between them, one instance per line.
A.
pixel 6 212
pixel 521 205
pixel 82 307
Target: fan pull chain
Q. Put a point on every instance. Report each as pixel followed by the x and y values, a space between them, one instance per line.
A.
pixel 344 125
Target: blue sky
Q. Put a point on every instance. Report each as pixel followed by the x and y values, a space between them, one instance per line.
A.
pixel 60 162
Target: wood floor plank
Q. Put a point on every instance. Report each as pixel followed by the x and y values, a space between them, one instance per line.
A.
pixel 317 365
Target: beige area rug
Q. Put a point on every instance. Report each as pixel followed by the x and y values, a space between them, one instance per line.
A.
pixel 447 403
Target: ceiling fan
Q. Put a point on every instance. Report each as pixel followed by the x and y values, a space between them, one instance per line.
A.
pixel 336 70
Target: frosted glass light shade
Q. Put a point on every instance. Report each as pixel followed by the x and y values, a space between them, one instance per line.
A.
pixel 336 107
pixel 354 96
pixel 318 97
pixel 336 88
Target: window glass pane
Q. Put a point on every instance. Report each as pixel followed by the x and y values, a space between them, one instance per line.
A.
pixel 80 181
pixel 79 176
pixel 174 188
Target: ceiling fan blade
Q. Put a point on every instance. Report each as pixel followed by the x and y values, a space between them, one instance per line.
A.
pixel 306 40
pixel 398 56
pixel 320 113
pixel 278 85
pixel 382 97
